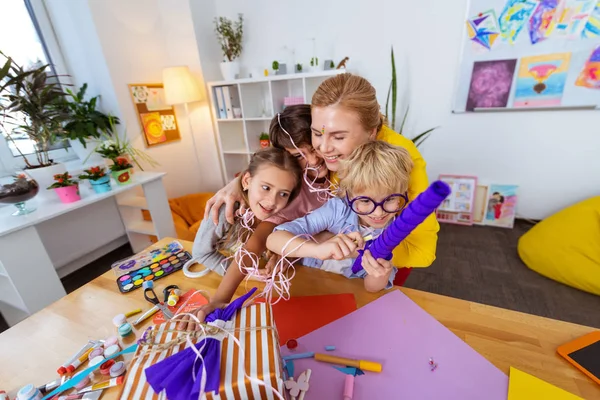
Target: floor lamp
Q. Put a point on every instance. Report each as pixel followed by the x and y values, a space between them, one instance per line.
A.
pixel 182 88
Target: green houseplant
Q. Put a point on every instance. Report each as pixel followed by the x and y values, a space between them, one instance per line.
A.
pixel 85 123
pixel 32 105
pixel 264 140
pixel 230 35
pixel 393 91
pixel 113 146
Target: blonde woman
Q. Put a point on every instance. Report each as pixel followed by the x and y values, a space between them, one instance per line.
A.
pixel 345 115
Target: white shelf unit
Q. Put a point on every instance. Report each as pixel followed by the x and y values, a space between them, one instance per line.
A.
pixel 259 100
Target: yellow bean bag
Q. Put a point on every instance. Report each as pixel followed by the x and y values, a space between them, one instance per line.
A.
pixel 565 247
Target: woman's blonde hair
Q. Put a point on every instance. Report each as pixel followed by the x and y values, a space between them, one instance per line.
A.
pixel 355 94
pixel 375 165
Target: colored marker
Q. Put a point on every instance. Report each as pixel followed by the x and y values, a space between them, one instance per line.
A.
pixel 330 348
pixel 299 355
pixel 63 368
pixel 82 358
pixel 349 387
pixel 133 312
pixel 103 385
pixel 362 364
pixel 146 315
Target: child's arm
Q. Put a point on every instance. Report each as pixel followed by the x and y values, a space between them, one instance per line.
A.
pixel 256 244
pixel 379 273
pixel 326 217
pixel 204 249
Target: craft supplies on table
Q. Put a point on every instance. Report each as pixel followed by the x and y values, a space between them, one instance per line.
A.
pixel 162 267
pixel 252 326
pixel 104 384
pixel 29 392
pixel 584 354
pixel 397 333
pixel 190 301
pixel 362 364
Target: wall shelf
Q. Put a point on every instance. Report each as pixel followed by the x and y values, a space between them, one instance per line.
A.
pixel 145 227
pixel 238 138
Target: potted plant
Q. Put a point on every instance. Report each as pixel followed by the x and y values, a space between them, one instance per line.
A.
pixel 114 146
pixel 32 103
pixel 85 124
pixel 98 178
pixel 264 140
pixel 121 171
pixel 314 63
pixel 230 35
pixel 275 66
pixel 298 68
pixel 66 188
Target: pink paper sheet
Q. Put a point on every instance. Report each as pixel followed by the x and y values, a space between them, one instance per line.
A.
pixel 396 332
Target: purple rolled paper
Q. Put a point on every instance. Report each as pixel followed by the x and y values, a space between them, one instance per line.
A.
pixel 412 216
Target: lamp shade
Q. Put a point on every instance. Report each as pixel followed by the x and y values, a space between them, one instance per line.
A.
pixel 181 86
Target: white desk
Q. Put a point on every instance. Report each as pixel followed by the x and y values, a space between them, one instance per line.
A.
pixel 23 255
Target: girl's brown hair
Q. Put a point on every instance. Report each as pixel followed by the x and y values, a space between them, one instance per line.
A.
pixel 296 121
pixel 355 94
pixel 270 156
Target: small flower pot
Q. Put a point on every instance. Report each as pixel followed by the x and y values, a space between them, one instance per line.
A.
pixel 68 194
pixel 264 143
pixel 122 177
pixel 101 185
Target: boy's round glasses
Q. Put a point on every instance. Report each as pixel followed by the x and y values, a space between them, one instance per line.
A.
pixel 364 205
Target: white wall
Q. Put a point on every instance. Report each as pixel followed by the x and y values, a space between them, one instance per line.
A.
pixel 553 156
pixel 111 43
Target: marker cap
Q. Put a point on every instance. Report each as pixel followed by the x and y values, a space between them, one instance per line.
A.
pixel 370 366
pixel 62 370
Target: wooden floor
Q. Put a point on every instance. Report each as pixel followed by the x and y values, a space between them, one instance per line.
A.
pixel 473 263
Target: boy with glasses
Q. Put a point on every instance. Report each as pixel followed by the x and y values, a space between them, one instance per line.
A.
pixel 372 191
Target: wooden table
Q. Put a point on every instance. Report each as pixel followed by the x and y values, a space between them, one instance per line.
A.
pixel 32 350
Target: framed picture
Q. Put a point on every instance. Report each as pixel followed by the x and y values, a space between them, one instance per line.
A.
pixel 501 205
pixel 458 207
pixel 158 121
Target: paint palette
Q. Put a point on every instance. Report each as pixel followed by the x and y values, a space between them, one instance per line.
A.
pixel 145 258
pixel 159 269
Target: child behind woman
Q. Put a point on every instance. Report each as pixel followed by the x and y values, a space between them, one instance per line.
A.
pixel 373 186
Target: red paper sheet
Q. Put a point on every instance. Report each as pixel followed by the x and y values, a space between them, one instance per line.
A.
pixel 196 301
pixel 301 315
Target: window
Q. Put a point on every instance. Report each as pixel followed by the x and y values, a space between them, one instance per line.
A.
pixel 26 35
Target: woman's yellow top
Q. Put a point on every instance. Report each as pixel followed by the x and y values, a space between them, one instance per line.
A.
pixel 418 249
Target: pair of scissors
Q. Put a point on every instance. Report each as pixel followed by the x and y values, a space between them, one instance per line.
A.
pixel 150 296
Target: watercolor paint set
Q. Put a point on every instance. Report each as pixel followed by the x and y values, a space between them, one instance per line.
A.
pixel 158 269
pixel 146 258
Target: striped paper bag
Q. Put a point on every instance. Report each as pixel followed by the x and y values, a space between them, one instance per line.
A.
pixel 253 326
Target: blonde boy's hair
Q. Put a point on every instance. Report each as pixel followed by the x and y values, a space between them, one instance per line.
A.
pixel 377 166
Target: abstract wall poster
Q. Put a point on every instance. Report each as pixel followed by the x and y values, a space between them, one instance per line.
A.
pixel 572 16
pixel 491 82
pixel 514 16
pixel 542 21
pixel 541 80
pixel 458 207
pixel 483 29
pixel 592 27
pixel 589 77
pixel 158 121
pixel 501 205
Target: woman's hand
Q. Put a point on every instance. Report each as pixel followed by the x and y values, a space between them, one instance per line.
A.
pixel 375 267
pixel 228 195
pixel 189 324
pixel 339 247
